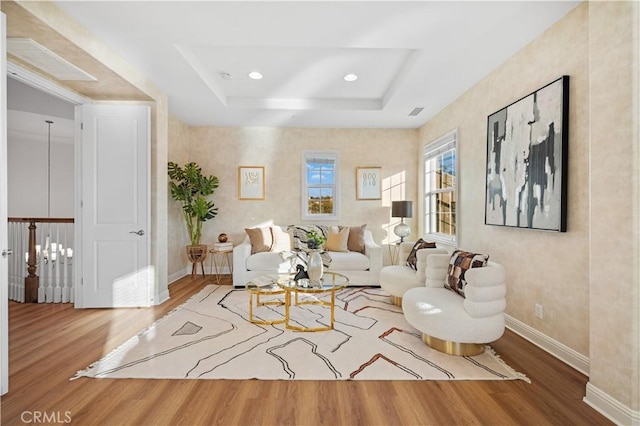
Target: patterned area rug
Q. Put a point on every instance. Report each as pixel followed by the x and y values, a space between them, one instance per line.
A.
pixel 210 337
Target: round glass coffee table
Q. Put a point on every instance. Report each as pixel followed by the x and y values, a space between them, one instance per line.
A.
pixel 264 287
pixel 330 283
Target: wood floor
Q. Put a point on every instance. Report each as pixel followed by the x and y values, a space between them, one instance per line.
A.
pixel 50 342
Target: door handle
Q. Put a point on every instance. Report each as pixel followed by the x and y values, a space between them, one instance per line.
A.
pixel 6 252
pixel 140 232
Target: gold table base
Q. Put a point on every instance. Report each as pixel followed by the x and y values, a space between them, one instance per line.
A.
pixel 453 348
pixel 259 303
pixel 287 306
pixel 396 300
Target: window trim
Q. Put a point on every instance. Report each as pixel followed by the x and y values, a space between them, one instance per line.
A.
pixel 431 149
pixel 328 154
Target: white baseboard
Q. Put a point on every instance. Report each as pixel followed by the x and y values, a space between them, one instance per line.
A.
pixel 555 348
pixel 610 407
pixel 177 275
pixel 600 401
pixel 162 297
pixel 187 271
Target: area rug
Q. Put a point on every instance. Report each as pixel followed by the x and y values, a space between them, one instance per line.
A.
pixel 210 337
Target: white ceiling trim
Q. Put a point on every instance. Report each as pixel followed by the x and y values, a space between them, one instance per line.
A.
pixel 402 75
pixel 306 104
pixel 200 69
pixel 396 64
pixel 30 78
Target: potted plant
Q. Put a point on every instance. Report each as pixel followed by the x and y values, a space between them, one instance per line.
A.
pixel 190 187
pixel 315 240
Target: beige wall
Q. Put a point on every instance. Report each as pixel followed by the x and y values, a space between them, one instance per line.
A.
pixel 176 230
pixel 543 267
pixel 219 151
pixel 614 259
pixel 587 278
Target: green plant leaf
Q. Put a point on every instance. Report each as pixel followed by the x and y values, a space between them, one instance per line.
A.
pixel 190 187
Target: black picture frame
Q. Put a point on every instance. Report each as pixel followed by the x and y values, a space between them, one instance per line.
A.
pixel 527 161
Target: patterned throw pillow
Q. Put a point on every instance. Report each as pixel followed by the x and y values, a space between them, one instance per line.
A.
pixel 299 239
pixel 299 233
pixel 420 244
pixel 459 263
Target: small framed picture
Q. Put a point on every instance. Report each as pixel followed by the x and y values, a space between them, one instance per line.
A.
pixel 368 185
pixel 251 182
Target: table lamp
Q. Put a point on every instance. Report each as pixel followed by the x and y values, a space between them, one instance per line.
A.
pixel 401 209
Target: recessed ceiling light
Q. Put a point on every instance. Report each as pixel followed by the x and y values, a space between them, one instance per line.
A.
pixel 255 75
pixel 350 77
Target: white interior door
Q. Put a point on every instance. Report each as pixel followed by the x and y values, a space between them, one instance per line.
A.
pixel 115 206
pixel 4 248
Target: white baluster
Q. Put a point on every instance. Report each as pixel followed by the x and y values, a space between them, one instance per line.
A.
pixel 62 241
pixel 47 268
pixel 23 237
pixel 67 256
pixel 57 261
pixel 40 255
pixel 72 294
pixel 64 267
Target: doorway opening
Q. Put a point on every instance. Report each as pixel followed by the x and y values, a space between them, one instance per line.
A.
pixel 41 188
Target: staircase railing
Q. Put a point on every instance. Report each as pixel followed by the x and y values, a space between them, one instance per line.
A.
pixel 41 271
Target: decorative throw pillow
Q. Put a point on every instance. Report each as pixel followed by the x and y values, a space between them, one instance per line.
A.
pixel 281 240
pixel 460 262
pixel 420 244
pixel 299 239
pixel 356 238
pixel 261 239
pixel 337 239
pixel 299 233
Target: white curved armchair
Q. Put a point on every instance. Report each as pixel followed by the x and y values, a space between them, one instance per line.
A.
pixel 397 279
pixel 454 324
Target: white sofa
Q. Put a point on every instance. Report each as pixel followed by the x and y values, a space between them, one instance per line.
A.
pixel 454 324
pixel 397 279
pixel 362 269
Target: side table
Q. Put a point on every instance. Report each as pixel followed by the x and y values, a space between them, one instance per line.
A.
pixel 224 254
pixel 394 249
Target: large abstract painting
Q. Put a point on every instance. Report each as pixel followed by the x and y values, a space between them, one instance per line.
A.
pixel 527 144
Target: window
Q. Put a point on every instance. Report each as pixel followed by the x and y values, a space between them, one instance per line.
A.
pixel 320 185
pixel 440 192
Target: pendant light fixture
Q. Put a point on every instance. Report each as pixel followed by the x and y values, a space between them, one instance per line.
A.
pixel 49 123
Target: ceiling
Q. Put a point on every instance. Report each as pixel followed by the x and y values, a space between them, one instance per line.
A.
pixel 407 55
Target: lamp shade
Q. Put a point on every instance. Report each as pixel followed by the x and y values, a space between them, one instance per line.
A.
pixel 401 208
